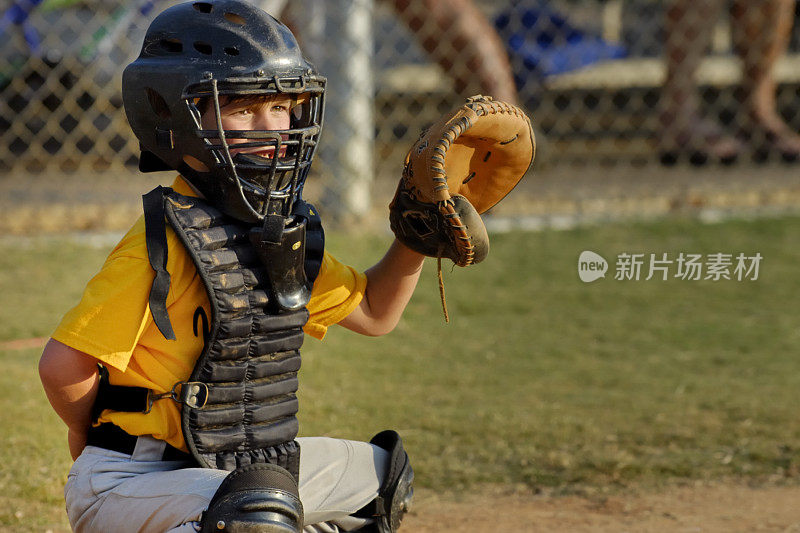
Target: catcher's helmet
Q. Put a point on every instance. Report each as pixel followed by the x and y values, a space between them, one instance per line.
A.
pixel 195 52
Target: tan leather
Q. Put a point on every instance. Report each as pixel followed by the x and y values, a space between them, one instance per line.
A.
pixel 481 151
pixel 459 167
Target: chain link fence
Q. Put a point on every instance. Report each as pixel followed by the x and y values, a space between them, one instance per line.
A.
pixel 630 88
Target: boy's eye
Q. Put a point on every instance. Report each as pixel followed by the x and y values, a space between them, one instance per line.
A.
pixel 238 112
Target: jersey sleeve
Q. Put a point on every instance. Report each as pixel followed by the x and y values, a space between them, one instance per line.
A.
pixel 111 315
pixel 337 291
pixel 113 312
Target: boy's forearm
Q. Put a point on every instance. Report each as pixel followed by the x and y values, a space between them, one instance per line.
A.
pixel 390 285
pixel 70 379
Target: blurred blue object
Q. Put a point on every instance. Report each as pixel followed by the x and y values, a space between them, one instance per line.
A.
pixel 18 14
pixel 541 42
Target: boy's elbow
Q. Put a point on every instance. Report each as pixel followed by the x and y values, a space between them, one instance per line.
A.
pixel 371 326
pixel 47 363
pixel 372 321
pixel 59 363
pixel 382 327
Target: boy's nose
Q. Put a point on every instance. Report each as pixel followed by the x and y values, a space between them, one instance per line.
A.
pixel 269 121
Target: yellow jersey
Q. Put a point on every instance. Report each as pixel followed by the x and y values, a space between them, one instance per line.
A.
pixel 113 323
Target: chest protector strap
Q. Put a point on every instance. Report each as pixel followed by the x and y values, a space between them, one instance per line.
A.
pixel 241 405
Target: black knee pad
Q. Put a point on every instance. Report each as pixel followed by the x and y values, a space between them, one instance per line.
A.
pixel 257 497
pixel 396 491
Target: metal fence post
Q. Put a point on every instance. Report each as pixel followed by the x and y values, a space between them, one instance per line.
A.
pixel 346 150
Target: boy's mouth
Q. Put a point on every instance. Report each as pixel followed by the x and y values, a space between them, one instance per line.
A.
pixel 266 153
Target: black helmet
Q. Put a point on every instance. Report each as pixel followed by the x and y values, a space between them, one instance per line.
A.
pixel 193 53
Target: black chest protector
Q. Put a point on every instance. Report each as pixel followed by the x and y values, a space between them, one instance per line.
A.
pixel 240 403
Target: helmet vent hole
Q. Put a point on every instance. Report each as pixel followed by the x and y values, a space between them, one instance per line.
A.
pixel 236 19
pixel 158 104
pixel 203 48
pixel 173 46
pixel 203 7
pixel 231 51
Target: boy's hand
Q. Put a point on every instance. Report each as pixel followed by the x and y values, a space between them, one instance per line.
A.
pixel 77 442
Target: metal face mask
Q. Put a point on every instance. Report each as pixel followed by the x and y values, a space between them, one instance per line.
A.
pixel 268 167
pixel 197 57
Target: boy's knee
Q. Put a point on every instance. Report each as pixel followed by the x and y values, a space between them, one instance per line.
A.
pixel 262 497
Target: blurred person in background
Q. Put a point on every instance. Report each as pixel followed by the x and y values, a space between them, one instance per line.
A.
pixel 456 35
pixel 761 31
pixel 474 56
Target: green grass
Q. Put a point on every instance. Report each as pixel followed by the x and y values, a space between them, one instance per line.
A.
pixel 32 450
pixel 540 381
pixel 40 280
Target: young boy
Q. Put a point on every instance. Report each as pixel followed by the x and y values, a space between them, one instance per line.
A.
pixel 189 421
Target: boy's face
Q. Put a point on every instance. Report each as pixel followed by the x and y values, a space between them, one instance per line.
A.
pixel 266 114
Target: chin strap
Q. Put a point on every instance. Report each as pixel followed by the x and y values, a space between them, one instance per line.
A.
pixel 155 229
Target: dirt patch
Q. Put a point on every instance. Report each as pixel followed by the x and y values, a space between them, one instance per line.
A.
pixel 707 508
pixel 24 344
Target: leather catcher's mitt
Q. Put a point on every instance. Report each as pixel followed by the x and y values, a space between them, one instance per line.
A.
pixel 459 167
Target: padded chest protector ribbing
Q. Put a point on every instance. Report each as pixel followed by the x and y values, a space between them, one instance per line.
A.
pixel 240 407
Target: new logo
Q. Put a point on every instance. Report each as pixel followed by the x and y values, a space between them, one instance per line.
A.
pixel 591 266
